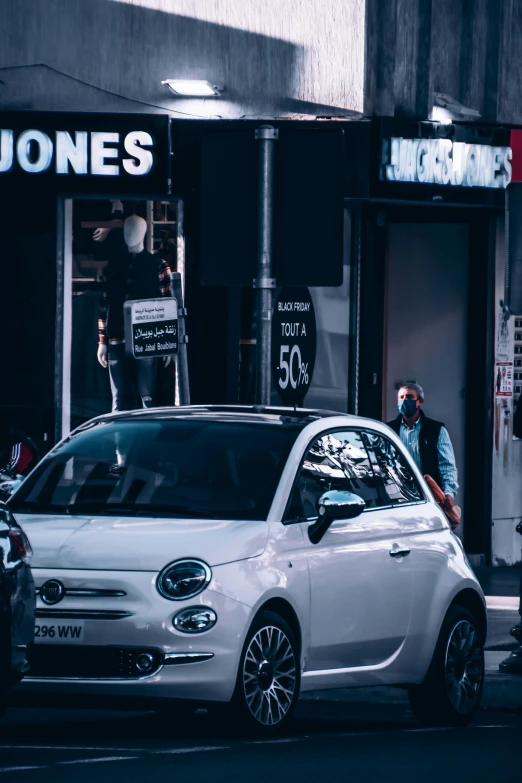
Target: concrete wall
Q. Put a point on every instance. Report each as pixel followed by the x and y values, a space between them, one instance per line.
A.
pixel 507 453
pixel 273 57
pixel 464 48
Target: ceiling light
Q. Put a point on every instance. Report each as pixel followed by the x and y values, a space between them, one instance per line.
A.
pixel 192 88
pixel 441 115
pixel 453 108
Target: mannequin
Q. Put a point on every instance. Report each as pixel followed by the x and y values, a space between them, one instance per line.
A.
pixel 137 274
pixel 134 230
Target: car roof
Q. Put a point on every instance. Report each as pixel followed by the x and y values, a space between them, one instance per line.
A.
pixel 299 417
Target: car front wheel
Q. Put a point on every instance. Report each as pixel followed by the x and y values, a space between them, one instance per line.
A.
pixel 451 692
pixel 267 687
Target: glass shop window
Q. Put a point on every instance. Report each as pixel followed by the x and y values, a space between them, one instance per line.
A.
pixel 105 271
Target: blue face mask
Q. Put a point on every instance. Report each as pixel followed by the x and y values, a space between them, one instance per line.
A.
pixel 408 408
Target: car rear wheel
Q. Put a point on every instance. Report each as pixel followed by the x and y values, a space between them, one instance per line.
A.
pixel 451 692
pixel 268 681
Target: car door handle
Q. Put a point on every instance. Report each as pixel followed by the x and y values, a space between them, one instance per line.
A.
pixel 399 552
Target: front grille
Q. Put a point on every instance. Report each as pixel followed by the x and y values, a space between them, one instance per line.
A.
pixel 83 614
pixel 65 661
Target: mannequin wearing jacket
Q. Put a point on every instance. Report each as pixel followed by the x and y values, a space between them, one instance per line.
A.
pixel 136 274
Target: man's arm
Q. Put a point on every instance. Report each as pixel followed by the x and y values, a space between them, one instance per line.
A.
pixel 102 319
pixel 447 464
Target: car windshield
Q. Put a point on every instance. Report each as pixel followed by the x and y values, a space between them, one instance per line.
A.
pixel 183 468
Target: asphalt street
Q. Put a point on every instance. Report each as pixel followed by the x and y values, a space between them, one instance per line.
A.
pixel 352 742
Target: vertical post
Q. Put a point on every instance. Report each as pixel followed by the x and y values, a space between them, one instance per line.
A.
pixel 182 362
pixel 64 318
pixel 264 283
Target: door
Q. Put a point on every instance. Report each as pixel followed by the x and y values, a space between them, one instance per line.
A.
pixel 426 322
pixel 360 573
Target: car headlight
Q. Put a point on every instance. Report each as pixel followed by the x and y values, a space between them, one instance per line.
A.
pixel 183 579
pixel 195 620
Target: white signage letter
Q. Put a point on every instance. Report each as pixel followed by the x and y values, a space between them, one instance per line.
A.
pixel 73 152
pixel 392 171
pixel 422 150
pixel 142 160
pixel 508 169
pixel 45 151
pixel 6 150
pixel 445 146
pixel 99 152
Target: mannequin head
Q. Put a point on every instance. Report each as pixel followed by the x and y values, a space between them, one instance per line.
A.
pixel 134 230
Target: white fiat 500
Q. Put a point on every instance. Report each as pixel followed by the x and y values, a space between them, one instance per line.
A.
pixel 241 556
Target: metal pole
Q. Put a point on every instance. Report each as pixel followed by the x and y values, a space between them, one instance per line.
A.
pixel 264 283
pixel 182 362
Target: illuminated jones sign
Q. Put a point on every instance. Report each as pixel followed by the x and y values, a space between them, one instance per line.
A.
pixel 88 153
pixel 446 162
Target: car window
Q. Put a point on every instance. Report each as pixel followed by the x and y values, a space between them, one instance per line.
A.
pixel 186 468
pixel 336 460
pixel 398 480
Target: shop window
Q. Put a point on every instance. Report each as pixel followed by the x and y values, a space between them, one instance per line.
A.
pixel 103 272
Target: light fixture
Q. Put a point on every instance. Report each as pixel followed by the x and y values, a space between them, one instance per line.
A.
pixel 441 115
pixel 446 109
pixel 192 88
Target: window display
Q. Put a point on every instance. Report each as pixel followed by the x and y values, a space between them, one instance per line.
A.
pixel 121 250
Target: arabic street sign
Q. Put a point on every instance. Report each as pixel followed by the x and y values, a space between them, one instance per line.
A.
pixel 151 327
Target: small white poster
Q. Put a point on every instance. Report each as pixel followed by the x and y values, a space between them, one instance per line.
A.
pixel 504 379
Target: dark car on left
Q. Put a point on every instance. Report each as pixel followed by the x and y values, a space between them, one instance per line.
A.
pixel 17 604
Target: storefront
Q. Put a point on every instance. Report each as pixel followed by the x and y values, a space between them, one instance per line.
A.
pixel 67 183
pixel 431 246
pixel 396 227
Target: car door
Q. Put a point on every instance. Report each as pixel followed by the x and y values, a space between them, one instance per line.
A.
pixel 360 574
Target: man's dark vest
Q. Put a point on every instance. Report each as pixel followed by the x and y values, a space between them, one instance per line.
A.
pixel 428 440
pixel 129 277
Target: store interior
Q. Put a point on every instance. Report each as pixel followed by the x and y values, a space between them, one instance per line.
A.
pixel 97 239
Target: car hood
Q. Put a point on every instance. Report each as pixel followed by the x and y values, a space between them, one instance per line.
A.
pixel 138 543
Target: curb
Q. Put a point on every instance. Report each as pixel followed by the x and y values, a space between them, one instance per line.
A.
pixel 501 691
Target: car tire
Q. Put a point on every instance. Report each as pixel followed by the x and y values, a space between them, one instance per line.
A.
pixel 268 680
pixel 451 692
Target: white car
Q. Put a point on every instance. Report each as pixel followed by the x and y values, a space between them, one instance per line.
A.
pixel 240 556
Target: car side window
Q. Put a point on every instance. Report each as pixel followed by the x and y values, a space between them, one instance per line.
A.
pixel 400 485
pixel 336 460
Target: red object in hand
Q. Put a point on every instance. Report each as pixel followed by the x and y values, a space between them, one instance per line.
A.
pixel 452 511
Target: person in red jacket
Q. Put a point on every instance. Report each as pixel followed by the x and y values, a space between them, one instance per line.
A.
pixel 18 452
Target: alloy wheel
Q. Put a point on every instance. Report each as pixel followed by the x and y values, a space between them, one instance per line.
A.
pixel 269 675
pixel 464 667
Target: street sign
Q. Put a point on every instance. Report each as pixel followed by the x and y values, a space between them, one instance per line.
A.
pixel 294 341
pixel 151 327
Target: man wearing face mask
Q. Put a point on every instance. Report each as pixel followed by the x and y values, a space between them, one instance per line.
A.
pixel 427 441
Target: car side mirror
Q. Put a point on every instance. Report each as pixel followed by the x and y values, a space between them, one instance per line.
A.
pixel 335 504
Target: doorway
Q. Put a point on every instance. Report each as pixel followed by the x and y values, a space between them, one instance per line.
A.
pixel 426 323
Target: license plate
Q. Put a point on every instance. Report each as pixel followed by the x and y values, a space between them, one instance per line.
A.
pixel 58 632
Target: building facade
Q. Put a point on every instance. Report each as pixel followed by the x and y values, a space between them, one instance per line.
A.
pixel 389 89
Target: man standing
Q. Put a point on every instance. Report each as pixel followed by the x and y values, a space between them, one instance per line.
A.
pixel 427 441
